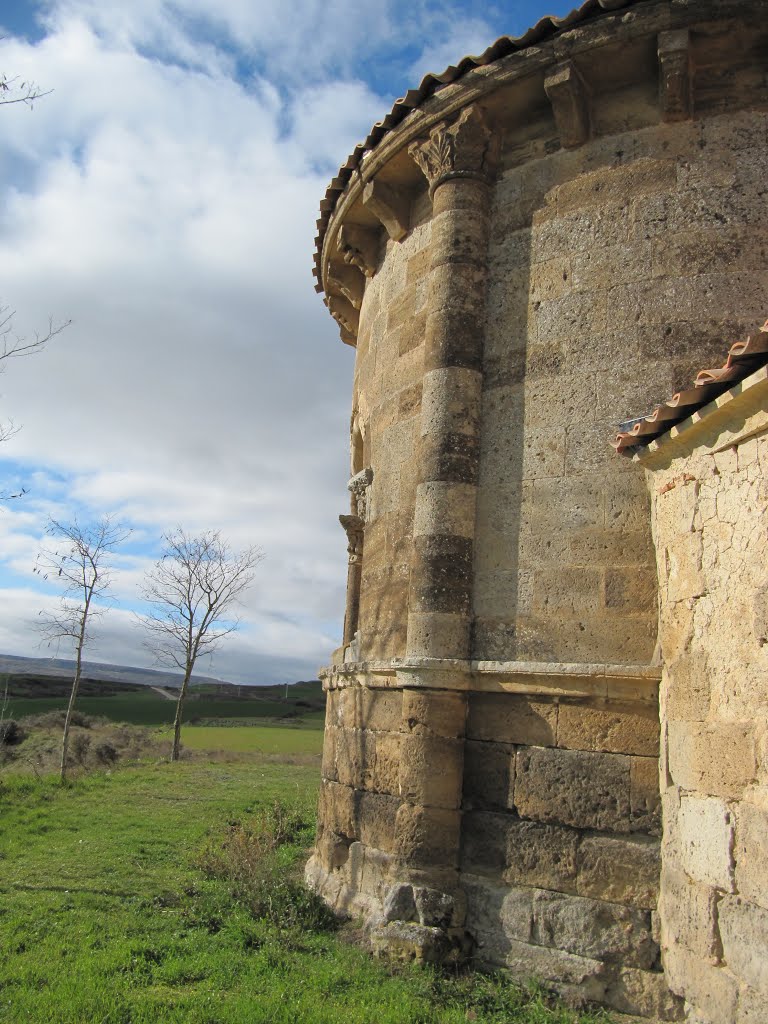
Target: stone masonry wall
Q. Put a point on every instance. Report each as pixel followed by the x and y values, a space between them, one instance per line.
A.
pixel 710 509
pixel 560 852
pixel 611 268
pixel 387 399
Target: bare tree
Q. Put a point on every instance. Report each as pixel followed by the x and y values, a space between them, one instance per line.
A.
pixel 192 590
pixel 81 565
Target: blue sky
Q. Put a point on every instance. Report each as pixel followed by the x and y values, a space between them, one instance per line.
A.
pixel 164 198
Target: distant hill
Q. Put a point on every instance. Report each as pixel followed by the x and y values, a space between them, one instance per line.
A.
pixel 37 677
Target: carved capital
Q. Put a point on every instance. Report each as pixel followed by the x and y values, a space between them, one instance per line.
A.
pixel 569 96
pixel 391 206
pixel 465 149
pixel 675 75
pixel 353 527
pixel 359 247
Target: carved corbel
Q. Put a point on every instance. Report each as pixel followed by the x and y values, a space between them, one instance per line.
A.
pixel 358 487
pixel 359 247
pixel 569 96
pixel 466 149
pixel 391 206
pixel 344 313
pixel 353 527
pixel 348 281
pixel 675 75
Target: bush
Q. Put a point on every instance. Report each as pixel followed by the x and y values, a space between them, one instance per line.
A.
pixel 105 753
pixel 79 746
pixel 11 733
pixel 251 860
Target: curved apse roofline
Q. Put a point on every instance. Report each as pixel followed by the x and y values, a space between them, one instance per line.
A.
pixel 545 28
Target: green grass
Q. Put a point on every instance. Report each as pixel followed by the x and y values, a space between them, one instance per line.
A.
pixel 266 739
pixel 151 709
pixel 105 917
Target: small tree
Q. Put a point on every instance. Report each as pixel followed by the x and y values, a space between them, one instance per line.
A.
pixel 80 564
pixel 193 589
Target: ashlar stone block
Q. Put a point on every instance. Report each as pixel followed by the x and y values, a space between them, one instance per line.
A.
pixel 621 870
pixel 705 838
pixel 594 928
pixel 573 787
pixel 751 853
pixel 618 728
pixel 508 718
pixel 744 932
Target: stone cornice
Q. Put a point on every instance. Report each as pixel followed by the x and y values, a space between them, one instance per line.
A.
pixel 546 679
pixel 580 39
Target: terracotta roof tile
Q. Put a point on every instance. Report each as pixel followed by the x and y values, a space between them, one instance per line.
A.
pixel 543 29
pixel 743 359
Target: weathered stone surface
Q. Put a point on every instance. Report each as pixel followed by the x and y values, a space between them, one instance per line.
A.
pixel 594 928
pixel 489 776
pixel 715 759
pixel 619 728
pixel 484 842
pixel 644 795
pixel 705 835
pixel 689 915
pixel 377 817
pixel 399 904
pixel 431 770
pixel 438 713
pixel 744 932
pixel 426 836
pixel 573 787
pixel 435 909
pixel 507 718
pixel 644 993
pixel 337 809
pixel 622 870
pixel 713 993
pixel 544 856
pixel 399 940
pixel 751 854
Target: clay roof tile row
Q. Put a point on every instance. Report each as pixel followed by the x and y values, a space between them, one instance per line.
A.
pixel 543 29
pixel 743 359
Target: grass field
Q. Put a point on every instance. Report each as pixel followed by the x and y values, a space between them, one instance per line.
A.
pixel 151 709
pixel 106 919
pixel 266 739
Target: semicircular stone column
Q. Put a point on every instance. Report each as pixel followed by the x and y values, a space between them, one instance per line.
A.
pixel 457 162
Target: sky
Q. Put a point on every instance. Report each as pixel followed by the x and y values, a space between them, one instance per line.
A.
pixel 163 196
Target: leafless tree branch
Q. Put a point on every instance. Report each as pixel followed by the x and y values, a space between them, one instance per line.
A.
pixel 16 90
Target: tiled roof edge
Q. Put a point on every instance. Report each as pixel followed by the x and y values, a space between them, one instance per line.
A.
pixel 744 357
pixel 545 28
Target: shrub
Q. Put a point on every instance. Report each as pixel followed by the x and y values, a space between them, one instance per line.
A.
pixel 79 746
pixel 106 753
pixel 11 733
pixel 251 860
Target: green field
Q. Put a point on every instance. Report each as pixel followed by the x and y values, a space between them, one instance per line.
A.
pixel 265 739
pixel 151 709
pixel 110 913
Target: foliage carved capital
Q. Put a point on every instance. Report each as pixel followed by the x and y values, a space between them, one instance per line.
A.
pixel 464 149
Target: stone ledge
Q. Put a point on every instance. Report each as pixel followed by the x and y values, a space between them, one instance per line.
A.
pixel 552 679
